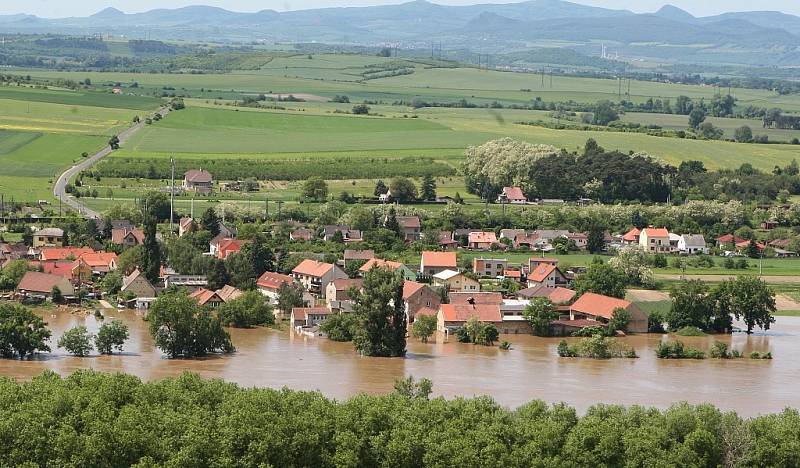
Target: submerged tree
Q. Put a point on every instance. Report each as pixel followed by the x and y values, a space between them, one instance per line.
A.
pixel 380 309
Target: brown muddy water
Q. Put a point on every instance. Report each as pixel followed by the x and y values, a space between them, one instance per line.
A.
pixel 531 370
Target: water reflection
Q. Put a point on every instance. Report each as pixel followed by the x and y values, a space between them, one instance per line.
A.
pixel 531 370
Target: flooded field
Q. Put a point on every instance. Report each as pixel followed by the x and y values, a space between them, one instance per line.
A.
pixel 531 370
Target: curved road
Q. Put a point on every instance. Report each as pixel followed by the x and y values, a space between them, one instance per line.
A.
pixel 59 189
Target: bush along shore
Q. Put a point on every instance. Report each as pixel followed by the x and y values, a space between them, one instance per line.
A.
pixel 104 420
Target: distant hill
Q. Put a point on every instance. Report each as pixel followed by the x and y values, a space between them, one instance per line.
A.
pixel 761 38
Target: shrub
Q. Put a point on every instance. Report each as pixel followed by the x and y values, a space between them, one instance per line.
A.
pixel 596 347
pixel 677 350
pixel 690 331
pixel 719 351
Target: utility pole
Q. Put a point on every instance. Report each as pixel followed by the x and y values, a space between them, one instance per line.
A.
pixel 172 196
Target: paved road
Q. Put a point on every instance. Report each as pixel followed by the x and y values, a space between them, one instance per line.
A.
pixel 59 189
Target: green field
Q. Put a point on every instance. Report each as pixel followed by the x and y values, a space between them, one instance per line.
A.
pixel 729 126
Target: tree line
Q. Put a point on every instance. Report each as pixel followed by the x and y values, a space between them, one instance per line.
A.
pixel 105 420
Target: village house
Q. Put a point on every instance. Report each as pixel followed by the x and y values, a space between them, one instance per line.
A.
pixel 226 247
pixel 269 284
pixel 454 280
pixel 632 237
pixel 435 262
pixel 534 262
pixel 692 244
pixel 512 195
pixel 728 240
pixel 525 240
pixel 186 226
pixel 137 285
pixel 419 298
pixel 198 181
pixel 547 275
pixel 127 237
pixel 77 272
pixel 511 234
pixel 558 295
pixel 410 228
pixel 48 237
pixel 489 267
pixel 229 293
pixel 348 235
pixel 301 234
pixel 351 255
pixel 100 262
pixel 452 316
pixel 480 240
pixel 654 240
pixel 308 317
pixel 206 298
pixel 600 309
pixel 580 239
pixel 446 240
pixel 315 275
pixel 339 289
pixel 394 266
pixel 40 285
pixel 515 275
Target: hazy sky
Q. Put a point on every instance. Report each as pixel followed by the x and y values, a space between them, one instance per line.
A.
pixel 62 8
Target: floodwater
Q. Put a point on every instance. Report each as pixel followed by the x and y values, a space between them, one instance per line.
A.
pixel 531 370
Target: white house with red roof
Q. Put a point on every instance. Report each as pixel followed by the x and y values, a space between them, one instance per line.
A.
pixel 435 262
pixel 655 240
pixel 315 275
pixel 481 240
pixel 512 195
pixel 547 274
pixel 269 284
pixel 632 236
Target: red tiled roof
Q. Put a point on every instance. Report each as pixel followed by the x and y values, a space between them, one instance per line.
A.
pixel 36 282
pixel 541 272
pixel 310 267
pixel 98 259
pixel 729 238
pixel 61 268
pixel 358 254
pixel 380 263
pixel 482 237
pixel 198 176
pixel 463 312
pixel 580 323
pixel 408 222
pixel 514 193
pixel 598 305
pixel 426 311
pixel 632 235
pixel 477 297
pixel 228 246
pixel 561 295
pixel 228 293
pixel 119 235
pixel 410 288
pixel 543 260
pixel 512 274
pixel 656 232
pixel 203 296
pixel 270 280
pixel 439 259
pixel 61 253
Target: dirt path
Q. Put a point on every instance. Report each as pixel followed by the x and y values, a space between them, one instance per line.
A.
pixel 784 302
pixel 646 295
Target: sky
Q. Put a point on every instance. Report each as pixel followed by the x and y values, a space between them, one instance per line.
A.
pixel 62 8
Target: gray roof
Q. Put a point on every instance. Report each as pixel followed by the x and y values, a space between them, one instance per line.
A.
pixel 694 239
pixel 49 232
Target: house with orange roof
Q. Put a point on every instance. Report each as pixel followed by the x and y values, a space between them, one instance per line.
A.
pixel 489 267
pixel 76 271
pixel 481 240
pixel 435 262
pixel 600 309
pixel 515 275
pixel 419 297
pixel 127 237
pixel 100 262
pixel 453 316
pixel 534 262
pixel 394 266
pixel 315 275
pixel 548 275
pixel 206 297
pixel 512 195
pixel 227 247
pixel 63 253
pixel 632 236
pixel 655 240
pixel 728 239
